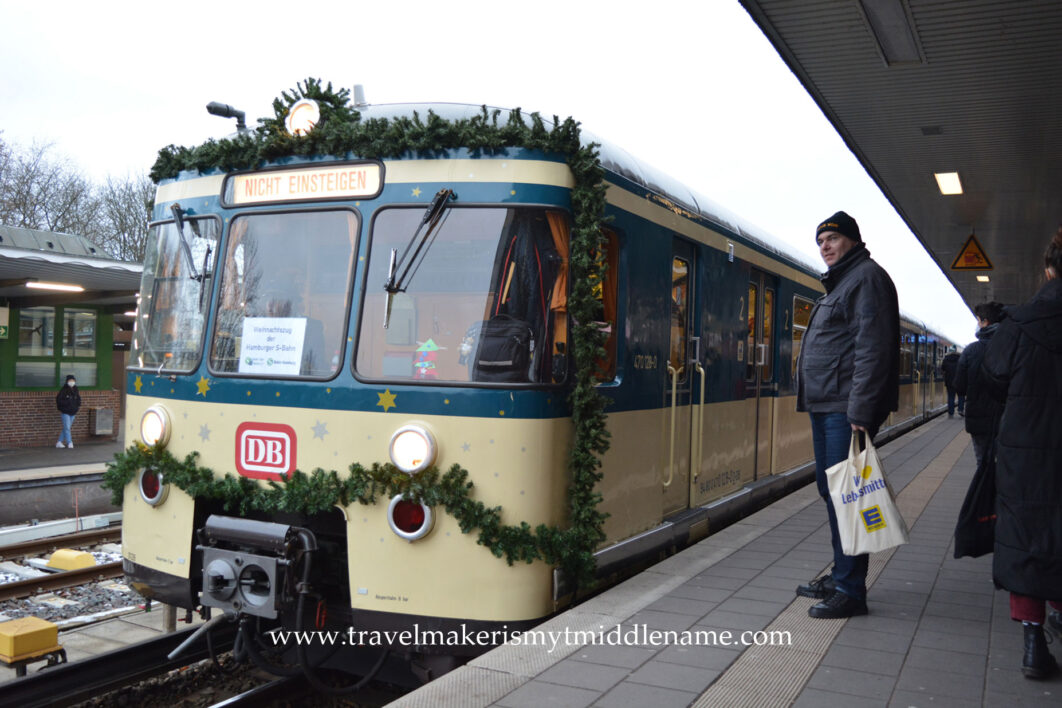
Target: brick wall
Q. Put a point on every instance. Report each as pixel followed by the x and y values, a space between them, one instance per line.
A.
pixel 30 418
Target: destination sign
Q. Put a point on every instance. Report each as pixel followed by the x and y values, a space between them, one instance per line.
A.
pixel 338 182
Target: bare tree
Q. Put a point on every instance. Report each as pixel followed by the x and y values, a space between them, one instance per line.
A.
pixel 39 191
pixel 126 209
pixel 46 193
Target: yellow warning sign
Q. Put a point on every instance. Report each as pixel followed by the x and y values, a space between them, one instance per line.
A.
pixel 972 257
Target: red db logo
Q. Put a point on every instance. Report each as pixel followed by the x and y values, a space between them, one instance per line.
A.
pixel 265 450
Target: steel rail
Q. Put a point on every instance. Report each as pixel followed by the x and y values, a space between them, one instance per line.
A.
pixel 69 683
pixel 91 537
pixel 288 687
pixel 57 581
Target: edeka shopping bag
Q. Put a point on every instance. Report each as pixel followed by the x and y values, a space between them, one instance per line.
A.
pixel 867 517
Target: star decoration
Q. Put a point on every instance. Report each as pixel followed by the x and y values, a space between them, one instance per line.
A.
pixel 416 191
pixel 204 432
pixel 387 399
pixel 138 384
pixel 203 385
pixel 320 430
pixel 466 447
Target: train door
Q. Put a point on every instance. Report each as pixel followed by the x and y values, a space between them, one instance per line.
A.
pixel 759 366
pixel 680 411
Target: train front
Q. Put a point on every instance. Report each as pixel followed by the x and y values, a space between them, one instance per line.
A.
pixel 358 318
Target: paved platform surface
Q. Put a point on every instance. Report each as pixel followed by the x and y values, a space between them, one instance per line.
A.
pixel 50 461
pixel 938 634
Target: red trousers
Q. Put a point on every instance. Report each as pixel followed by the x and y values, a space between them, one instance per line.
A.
pixel 1029 609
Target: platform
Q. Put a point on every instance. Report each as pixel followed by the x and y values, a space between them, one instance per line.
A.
pixel 938 633
pixel 45 483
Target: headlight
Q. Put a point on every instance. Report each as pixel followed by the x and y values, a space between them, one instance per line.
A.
pixel 153 488
pixel 155 426
pixel 413 448
pixel 409 520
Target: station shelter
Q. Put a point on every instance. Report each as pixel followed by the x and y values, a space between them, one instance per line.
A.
pixel 66 308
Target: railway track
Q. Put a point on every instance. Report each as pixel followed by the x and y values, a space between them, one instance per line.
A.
pixel 57 581
pixel 16 551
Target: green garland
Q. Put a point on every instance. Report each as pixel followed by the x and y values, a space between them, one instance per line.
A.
pixel 341 132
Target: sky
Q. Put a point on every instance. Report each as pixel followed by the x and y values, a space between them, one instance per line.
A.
pixel 691 87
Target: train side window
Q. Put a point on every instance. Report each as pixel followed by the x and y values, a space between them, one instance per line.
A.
pixel 767 370
pixel 607 295
pixel 801 316
pixel 906 354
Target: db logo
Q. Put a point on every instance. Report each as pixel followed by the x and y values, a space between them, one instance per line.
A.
pixel 265 450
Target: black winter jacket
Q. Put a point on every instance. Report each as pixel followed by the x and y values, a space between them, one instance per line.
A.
pixel 982 410
pixel 1023 366
pixel 68 400
pixel 849 356
pixel 948 367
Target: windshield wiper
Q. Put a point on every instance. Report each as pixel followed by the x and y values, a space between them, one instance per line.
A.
pixel 178 218
pixel 432 216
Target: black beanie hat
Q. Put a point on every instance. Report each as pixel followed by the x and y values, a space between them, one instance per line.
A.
pixel 70 377
pixel 842 224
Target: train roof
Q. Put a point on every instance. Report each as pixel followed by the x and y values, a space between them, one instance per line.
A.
pixel 620 162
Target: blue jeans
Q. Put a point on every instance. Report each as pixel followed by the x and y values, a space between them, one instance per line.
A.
pixel 831 434
pixel 68 420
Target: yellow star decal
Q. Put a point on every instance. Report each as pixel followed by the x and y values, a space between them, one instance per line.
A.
pixel 387 399
pixel 138 384
pixel 416 191
pixel 203 385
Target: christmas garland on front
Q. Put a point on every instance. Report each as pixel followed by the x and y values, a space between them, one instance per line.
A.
pixel 340 132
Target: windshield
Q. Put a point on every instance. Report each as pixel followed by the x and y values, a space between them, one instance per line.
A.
pixel 174 293
pixel 487 302
pixel 285 283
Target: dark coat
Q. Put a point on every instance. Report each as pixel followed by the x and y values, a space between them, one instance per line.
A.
pixel 849 361
pixel 1023 366
pixel 68 400
pixel 948 367
pixel 982 410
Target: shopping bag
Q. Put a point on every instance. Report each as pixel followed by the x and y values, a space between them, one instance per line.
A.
pixel 867 517
pixel 975 532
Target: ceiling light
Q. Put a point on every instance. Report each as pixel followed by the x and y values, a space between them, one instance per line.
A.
pixel 41 285
pixel 948 182
pixel 892 27
pixel 982 279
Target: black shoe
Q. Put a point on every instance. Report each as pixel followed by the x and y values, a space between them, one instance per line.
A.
pixel 838 606
pixel 819 588
pixel 1037 662
pixel 1054 622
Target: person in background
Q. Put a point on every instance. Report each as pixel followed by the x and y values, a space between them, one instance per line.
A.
pixel 68 401
pixel 947 368
pixel 1023 368
pixel 847 380
pixel 982 410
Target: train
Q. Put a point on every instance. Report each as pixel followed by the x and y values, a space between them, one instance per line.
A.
pixel 446 367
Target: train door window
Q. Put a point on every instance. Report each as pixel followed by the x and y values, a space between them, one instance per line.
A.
pixel 750 345
pixel 767 357
pixel 285 286
pixel 680 288
pixel 801 316
pixel 906 354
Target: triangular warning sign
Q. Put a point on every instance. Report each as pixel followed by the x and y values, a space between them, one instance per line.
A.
pixel 972 257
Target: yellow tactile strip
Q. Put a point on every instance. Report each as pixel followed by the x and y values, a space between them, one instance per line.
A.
pixel 775 675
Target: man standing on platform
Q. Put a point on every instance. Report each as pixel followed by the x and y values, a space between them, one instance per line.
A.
pixel 848 381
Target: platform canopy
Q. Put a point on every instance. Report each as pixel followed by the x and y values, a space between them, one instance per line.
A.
pixel 921 87
pixel 31 256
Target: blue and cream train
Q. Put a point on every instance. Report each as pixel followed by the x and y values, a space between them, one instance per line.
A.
pixel 319 310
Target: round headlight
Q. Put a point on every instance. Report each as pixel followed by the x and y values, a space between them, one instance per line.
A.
pixel 409 520
pixel 153 488
pixel 412 448
pixel 155 426
pixel 302 116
